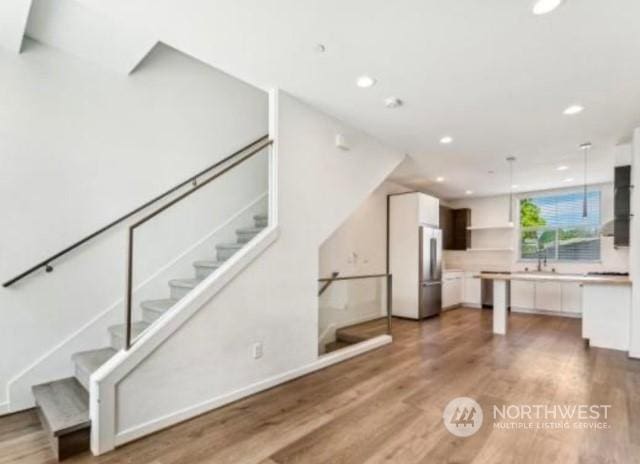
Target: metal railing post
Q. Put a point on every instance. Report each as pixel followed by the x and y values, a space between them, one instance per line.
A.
pixel 127 343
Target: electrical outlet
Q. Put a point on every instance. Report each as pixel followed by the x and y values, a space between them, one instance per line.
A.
pixel 256 350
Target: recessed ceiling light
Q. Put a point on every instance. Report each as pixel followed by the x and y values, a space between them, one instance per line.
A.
pixel 563 168
pixel 541 7
pixel 515 186
pixel 392 102
pixel 365 82
pixel 469 192
pixel 573 109
pixel 569 179
pixel 439 179
pixel 446 140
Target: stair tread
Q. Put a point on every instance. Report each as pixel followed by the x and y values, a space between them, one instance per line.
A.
pixel 159 306
pixel 184 283
pixel 64 404
pixel 91 360
pixel 136 329
pixel 208 263
pixel 229 246
pixel 250 230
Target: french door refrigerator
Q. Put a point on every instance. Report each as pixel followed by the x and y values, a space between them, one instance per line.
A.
pixel 430 256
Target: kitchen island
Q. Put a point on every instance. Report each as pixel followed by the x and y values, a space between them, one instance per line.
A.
pixel 606 305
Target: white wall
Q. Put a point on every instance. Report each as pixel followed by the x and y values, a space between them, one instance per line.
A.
pixel 80 146
pixel 274 301
pixel 495 210
pixel 13 20
pixel 357 247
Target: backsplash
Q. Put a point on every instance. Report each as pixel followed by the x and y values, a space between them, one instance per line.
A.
pixel 612 260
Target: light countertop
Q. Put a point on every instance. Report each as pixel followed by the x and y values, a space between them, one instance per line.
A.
pixel 558 277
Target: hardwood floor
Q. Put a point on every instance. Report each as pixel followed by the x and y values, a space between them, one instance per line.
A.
pixel 387 405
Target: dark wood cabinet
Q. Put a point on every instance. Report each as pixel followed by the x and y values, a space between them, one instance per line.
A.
pixel 622 206
pixel 446 224
pixel 454 223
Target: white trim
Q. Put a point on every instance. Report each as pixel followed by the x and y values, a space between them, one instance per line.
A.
pixel 216 402
pixel 326 332
pixel 543 312
pixel 4 408
pixel 103 381
pixel 116 305
pixel 472 305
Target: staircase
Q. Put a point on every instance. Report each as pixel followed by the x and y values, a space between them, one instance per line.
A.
pixel 357 333
pixel 63 405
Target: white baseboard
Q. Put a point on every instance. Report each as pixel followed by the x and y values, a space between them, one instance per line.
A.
pixel 540 312
pixel 323 361
pixel 472 305
pixel 4 408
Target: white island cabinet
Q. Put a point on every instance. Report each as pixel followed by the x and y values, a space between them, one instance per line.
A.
pixel 605 302
pixel 606 315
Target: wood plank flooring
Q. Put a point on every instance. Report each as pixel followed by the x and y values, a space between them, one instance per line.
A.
pixel 386 406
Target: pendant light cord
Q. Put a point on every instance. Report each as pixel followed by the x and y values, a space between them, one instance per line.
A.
pixel 585 151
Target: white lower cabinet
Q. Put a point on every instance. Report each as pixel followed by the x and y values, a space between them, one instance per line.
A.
pixel 451 290
pixel 523 294
pixel 557 297
pixel 572 298
pixel 472 290
pixel 549 296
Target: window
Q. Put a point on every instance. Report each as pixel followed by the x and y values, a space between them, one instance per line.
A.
pixel 553 227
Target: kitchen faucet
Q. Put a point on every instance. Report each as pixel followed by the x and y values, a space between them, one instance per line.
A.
pixel 540 260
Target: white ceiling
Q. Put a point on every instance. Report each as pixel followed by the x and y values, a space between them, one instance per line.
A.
pixel 487 72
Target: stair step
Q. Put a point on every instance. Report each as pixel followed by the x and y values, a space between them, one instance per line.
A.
pixel 261 220
pixel 63 407
pixel 204 268
pixel 117 333
pixel 334 346
pixel 180 287
pixel 225 251
pixel 246 234
pixel 153 309
pixel 87 362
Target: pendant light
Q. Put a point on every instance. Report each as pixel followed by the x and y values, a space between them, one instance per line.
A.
pixel 511 160
pixel 585 147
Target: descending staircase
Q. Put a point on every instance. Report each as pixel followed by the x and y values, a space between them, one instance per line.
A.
pixel 63 405
pixel 357 333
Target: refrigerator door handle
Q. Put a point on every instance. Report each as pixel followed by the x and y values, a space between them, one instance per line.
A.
pixel 431 284
pixel 434 256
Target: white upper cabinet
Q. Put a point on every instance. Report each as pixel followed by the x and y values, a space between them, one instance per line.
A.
pixel 428 210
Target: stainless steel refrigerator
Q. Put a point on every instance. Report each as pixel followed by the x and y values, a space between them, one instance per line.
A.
pixel 430 271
